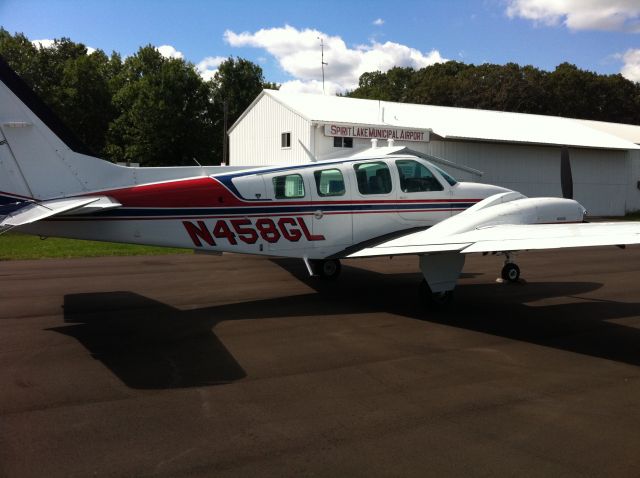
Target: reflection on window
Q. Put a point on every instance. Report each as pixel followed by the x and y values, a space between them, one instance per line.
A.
pixel 288 187
pixel 373 178
pixel 447 177
pixel 329 182
pixel 416 177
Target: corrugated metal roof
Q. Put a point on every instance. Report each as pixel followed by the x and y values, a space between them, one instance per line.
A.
pixel 454 123
pixel 630 132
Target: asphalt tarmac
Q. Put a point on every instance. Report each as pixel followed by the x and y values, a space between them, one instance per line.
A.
pixel 242 366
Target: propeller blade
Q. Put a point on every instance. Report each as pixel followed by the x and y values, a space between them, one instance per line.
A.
pixel 566 179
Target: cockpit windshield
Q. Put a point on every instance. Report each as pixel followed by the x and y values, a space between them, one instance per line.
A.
pixel 448 178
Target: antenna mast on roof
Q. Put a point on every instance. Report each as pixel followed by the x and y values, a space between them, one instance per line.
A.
pixel 322 62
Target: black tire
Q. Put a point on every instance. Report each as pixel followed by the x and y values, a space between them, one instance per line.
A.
pixel 329 269
pixel 434 300
pixel 510 272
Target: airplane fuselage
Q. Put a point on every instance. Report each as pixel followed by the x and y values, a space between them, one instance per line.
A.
pixel 315 210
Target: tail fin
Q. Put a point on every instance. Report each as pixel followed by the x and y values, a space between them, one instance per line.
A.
pixel 39 157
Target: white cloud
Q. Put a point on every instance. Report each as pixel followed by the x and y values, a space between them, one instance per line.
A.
pixel 631 68
pixel 46 43
pixel 169 51
pixel 298 53
pixel 378 22
pixel 613 15
pixel 311 86
pixel 209 66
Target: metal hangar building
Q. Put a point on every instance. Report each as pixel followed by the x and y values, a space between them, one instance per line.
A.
pixel 514 150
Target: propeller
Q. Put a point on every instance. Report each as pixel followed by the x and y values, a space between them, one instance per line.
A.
pixel 566 179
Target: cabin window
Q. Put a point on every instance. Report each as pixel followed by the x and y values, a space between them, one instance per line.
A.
pixel 329 182
pixel 288 187
pixel 339 142
pixel 285 140
pixel 416 177
pixel 373 178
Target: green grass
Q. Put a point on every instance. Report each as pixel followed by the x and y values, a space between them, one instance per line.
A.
pixel 14 246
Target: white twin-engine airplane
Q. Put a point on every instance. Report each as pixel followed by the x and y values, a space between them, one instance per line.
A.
pixel 373 204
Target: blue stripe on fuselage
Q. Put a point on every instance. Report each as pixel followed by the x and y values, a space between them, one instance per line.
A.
pixel 267 210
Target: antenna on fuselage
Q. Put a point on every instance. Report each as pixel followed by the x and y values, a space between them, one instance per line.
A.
pixel 201 167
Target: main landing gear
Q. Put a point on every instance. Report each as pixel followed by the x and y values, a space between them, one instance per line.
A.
pixel 328 269
pixel 510 272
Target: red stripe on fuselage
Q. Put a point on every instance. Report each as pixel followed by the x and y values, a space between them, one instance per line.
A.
pixel 198 192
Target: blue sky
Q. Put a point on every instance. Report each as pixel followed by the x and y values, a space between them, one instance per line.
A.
pixel 282 36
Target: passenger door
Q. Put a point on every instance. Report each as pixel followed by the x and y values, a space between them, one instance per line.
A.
pixel 375 204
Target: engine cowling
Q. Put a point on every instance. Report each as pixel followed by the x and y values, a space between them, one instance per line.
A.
pixel 512 208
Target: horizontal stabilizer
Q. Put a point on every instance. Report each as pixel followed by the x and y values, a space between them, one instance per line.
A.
pixel 37 211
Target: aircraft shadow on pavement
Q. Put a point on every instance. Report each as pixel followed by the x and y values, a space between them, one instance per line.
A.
pixel 502 310
pixel 151 345
pixel 147 344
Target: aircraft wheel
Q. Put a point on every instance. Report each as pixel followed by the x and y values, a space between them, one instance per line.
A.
pixel 436 300
pixel 510 272
pixel 329 269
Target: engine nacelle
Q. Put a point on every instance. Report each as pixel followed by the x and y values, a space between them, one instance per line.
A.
pixel 512 208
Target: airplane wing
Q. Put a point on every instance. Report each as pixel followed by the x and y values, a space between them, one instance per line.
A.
pixel 510 237
pixel 37 211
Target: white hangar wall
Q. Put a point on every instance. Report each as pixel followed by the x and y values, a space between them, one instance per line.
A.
pixel 256 140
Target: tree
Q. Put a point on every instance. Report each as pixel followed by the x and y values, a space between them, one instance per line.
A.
pixel 566 91
pixel 162 106
pixel 72 82
pixel 394 85
pixel 20 53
